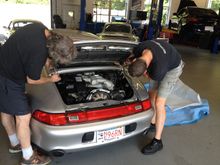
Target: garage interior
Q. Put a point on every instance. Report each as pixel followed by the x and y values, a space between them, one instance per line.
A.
pixel 191 144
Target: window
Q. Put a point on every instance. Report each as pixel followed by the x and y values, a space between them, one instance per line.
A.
pixel 109 10
pixel 215 5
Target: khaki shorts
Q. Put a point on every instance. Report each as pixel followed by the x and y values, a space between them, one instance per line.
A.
pixel 166 86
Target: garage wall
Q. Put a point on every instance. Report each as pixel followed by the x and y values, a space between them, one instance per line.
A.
pixel 201 3
pixel 69 10
pixel 89 6
pixel 63 7
pixel 174 5
pixel 11 11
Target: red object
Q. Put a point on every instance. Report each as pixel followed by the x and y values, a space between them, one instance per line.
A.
pixel 91 115
pixel 192 20
pixel 166 35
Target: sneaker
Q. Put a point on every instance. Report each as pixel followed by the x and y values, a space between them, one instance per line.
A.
pixel 152 128
pixel 36 159
pixel 14 149
pixel 153 147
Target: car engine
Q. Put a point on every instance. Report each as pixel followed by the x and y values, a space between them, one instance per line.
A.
pixel 93 86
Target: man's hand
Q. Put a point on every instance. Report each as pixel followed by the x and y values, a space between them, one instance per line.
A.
pixel 55 78
pixel 43 80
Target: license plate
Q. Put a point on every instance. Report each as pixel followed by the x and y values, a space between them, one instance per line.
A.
pixel 209 28
pixel 110 134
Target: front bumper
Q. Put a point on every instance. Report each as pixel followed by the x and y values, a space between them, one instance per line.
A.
pixel 70 138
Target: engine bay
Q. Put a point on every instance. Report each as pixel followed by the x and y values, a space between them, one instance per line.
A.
pixel 92 86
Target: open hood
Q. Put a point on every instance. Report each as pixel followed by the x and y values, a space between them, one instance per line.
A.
pixel 186 3
pixel 98 51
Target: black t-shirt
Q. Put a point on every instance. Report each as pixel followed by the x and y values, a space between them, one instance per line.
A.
pixel 165 57
pixel 24 54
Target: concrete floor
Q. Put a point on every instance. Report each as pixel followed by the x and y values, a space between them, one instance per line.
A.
pixel 195 144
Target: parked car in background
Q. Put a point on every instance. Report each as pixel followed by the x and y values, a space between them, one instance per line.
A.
pixel 173 23
pixel 118 31
pixel 196 20
pixel 3 38
pixel 13 26
pixel 95 103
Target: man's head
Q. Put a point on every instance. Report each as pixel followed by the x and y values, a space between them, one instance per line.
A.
pixel 61 48
pixel 137 68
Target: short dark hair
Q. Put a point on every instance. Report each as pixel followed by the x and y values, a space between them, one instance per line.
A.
pixel 61 48
pixel 138 50
pixel 137 68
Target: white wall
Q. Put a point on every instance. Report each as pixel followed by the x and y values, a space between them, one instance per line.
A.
pixel 10 11
pixel 201 3
pixel 61 7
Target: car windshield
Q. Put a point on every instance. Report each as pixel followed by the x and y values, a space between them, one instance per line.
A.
pixel 117 28
pixel 202 12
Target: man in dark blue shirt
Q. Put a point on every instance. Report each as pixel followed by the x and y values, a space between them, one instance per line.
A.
pixel 22 58
pixel 163 65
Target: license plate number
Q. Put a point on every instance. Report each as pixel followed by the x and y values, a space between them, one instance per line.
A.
pixel 209 28
pixel 110 134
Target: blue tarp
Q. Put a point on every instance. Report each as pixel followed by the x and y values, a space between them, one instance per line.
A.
pixel 184 106
pixel 187 114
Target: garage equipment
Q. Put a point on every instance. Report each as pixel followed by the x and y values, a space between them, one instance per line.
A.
pixel 83 15
pixel 155 19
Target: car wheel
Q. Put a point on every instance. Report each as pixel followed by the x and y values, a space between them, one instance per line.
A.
pixel 183 32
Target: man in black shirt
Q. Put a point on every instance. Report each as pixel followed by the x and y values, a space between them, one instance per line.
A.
pixel 22 58
pixel 163 65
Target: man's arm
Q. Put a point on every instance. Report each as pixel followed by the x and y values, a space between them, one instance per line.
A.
pixel 49 64
pixel 44 80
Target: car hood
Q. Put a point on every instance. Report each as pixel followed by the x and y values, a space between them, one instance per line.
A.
pixel 99 51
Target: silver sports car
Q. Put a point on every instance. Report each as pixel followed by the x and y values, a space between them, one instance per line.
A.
pixel 95 103
pixel 118 31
